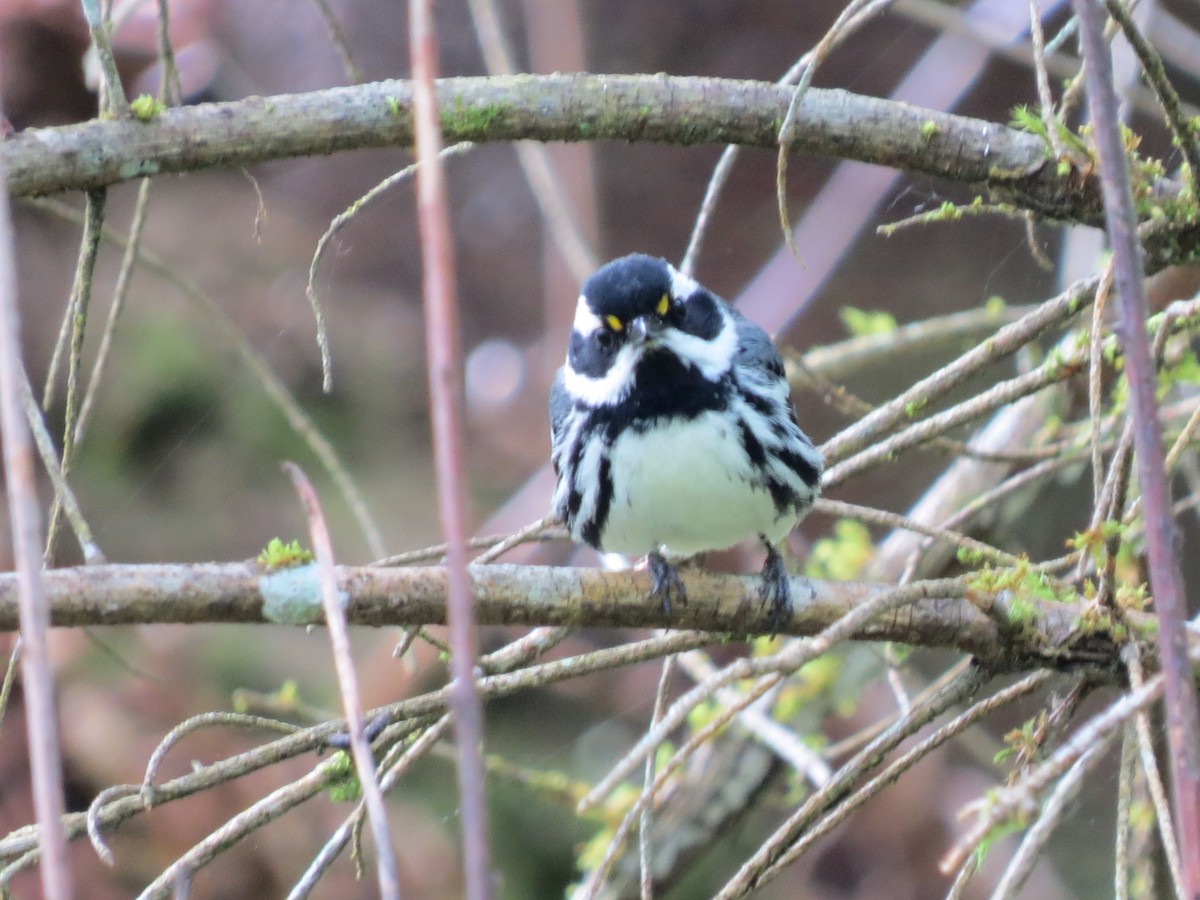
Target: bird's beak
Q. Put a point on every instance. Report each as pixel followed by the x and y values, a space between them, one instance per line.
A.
pixel 644 330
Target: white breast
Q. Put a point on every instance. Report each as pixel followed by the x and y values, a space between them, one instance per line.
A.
pixel 684 488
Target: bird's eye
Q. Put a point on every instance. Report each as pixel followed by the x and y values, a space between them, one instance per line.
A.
pixel 605 339
pixel 664 304
pixel 614 323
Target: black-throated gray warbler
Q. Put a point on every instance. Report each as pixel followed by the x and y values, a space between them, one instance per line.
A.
pixel 672 428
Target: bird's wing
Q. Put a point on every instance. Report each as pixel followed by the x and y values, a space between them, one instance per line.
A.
pixel 560 406
pixel 755 349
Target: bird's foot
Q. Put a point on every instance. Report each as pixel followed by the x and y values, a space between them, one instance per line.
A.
pixel 665 585
pixel 372 728
pixel 776 591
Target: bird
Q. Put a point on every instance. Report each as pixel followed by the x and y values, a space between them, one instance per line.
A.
pixel 673 431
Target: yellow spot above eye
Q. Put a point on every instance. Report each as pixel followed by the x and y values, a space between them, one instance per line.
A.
pixel 614 323
pixel 664 303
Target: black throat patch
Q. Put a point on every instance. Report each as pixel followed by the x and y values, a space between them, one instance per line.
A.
pixel 664 387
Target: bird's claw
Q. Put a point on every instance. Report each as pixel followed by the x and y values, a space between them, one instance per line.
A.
pixel 776 590
pixel 665 584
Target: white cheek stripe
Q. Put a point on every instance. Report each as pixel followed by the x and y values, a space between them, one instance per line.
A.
pixel 586 321
pixel 713 358
pixel 612 388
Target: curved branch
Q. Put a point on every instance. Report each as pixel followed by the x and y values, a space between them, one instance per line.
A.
pixel 571 107
pixel 989 628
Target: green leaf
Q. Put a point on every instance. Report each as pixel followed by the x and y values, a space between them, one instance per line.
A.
pixel 278 555
pixel 145 108
pixel 842 556
pixel 862 323
pixel 343 786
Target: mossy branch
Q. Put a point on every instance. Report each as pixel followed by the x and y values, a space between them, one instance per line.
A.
pixel 1004 631
pixel 573 107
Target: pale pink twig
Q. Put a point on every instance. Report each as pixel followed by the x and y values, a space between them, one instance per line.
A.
pixel 339 640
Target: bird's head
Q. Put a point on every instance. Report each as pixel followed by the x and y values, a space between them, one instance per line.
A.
pixel 636 306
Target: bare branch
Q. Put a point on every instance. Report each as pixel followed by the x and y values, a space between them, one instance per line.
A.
pixel 529 595
pixel 657 108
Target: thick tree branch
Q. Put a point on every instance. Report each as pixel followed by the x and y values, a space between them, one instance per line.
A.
pixel 1015 165
pixel 987 627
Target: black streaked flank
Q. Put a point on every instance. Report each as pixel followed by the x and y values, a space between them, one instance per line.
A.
pixel 782 496
pixel 593 529
pixel 799 464
pixel 751 444
pixel 761 405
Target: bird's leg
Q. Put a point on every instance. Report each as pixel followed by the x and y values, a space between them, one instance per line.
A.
pixel 775 589
pixel 372 728
pixel 665 585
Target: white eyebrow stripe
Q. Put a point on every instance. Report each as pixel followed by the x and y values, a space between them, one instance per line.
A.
pixel 682 286
pixel 586 321
pixel 712 357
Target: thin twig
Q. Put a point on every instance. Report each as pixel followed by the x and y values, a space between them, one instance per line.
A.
pixel 1022 862
pixel 112 95
pixel 339 221
pixel 790 659
pixel 1154 782
pixel 444 353
pixel 102 799
pixel 646 821
pixel 25 841
pixel 81 293
pixel 1166 581
pixel 1010 802
pixel 640 814
pixel 20 482
pixel 1045 98
pixel 838 810
pixel 339 639
pixel 10 677
pixel 259 814
pixel 170 91
pixel 561 224
pixel 720 173
pixel 530 532
pixel 787 129
pixel 353 73
pixel 758 722
pixel 189 726
pixel 1128 768
pixel 273 386
pixel 874 516
pixel 53 466
pixel 754 871
pixel 1003 343
pixel 1095 379
pixel 485 542
pixel 120 293
pixel 1054 370
pixel 1152 65
pixel 344 834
